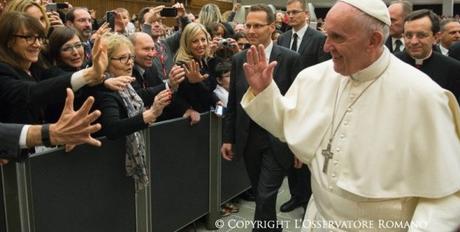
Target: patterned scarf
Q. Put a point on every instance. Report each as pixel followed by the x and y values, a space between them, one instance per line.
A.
pixel 135 147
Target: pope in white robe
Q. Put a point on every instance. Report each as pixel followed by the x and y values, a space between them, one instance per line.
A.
pixel 394 134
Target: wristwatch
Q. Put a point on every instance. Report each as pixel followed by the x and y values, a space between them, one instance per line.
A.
pixel 46 135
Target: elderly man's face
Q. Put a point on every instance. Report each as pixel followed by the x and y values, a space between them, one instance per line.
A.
pixel 346 41
pixel 418 38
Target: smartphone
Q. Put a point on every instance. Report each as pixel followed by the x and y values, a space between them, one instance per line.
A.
pixel 110 17
pixel 62 5
pixel 168 12
pixel 51 7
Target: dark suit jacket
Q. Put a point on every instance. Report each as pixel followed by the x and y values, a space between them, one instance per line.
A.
pixel 23 98
pixel 9 140
pixel 311 47
pixel 389 44
pixel 442 69
pixel 114 119
pixel 237 122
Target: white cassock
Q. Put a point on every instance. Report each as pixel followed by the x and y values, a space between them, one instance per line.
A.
pixel 396 162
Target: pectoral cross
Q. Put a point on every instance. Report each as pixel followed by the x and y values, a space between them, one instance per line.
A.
pixel 327 153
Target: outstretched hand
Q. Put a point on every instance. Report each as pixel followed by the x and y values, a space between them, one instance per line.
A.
pixel 258 72
pixel 75 127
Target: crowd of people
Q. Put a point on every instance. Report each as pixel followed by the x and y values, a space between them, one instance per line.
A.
pixel 344 111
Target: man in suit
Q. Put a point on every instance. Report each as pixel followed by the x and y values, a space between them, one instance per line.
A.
pixel 398 10
pixel 449 33
pixel 148 82
pixel 420 31
pixel 308 42
pixel 266 158
pixel 72 128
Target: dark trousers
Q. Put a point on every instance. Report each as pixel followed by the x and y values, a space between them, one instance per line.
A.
pixel 299 183
pixel 266 176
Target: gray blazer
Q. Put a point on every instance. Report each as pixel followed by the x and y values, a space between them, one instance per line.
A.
pixel 9 139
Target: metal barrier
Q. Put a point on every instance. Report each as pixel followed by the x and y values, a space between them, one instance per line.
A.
pixel 87 189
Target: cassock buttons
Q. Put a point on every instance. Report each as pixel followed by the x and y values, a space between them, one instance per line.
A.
pixel 330 187
pixel 346 122
pixel 333 175
pixel 342 136
pixel 337 149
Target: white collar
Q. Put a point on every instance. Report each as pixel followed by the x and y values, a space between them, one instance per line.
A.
pixel 444 50
pixel 393 42
pixel 420 61
pixel 268 50
pixel 375 69
pixel 301 32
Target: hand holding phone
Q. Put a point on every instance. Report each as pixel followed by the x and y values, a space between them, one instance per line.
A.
pixel 51 7
pixel 110 16
pixel 168 12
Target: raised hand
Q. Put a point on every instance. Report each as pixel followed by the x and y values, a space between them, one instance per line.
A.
pixel 55 20
pixel 100 58
pixel 176 76
pixel 192 72
pixel 74 127
pixel 162 99
pixel 258 72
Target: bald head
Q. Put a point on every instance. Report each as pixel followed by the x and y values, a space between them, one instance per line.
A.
pixel 144 49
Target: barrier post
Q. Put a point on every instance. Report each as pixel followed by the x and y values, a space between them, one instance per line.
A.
pixel 143 199
pixel 16 197
pixel 215 140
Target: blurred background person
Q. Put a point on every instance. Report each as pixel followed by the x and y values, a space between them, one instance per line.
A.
pixel 448 34
pixel 398 10
pixel 222 72
pixel 79 19
pixel 210 13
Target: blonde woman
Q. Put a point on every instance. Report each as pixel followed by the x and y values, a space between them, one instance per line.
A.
pixel 194 56
pixel 210 13
pixel 34 9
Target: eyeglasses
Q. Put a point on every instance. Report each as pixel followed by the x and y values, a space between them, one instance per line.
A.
pixel 293 12
pixel 31 39
pixel 70 48
pixel 256 26
pixel 124 59
pixel 418 35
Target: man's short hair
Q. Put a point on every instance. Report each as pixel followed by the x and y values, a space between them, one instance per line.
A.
pixel 406 6
pixel 303 4
pixel 266 9
pixel 418 14
pixel 70 16
pixel 444 22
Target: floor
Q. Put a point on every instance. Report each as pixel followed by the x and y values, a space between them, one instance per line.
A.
pixel 240 222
